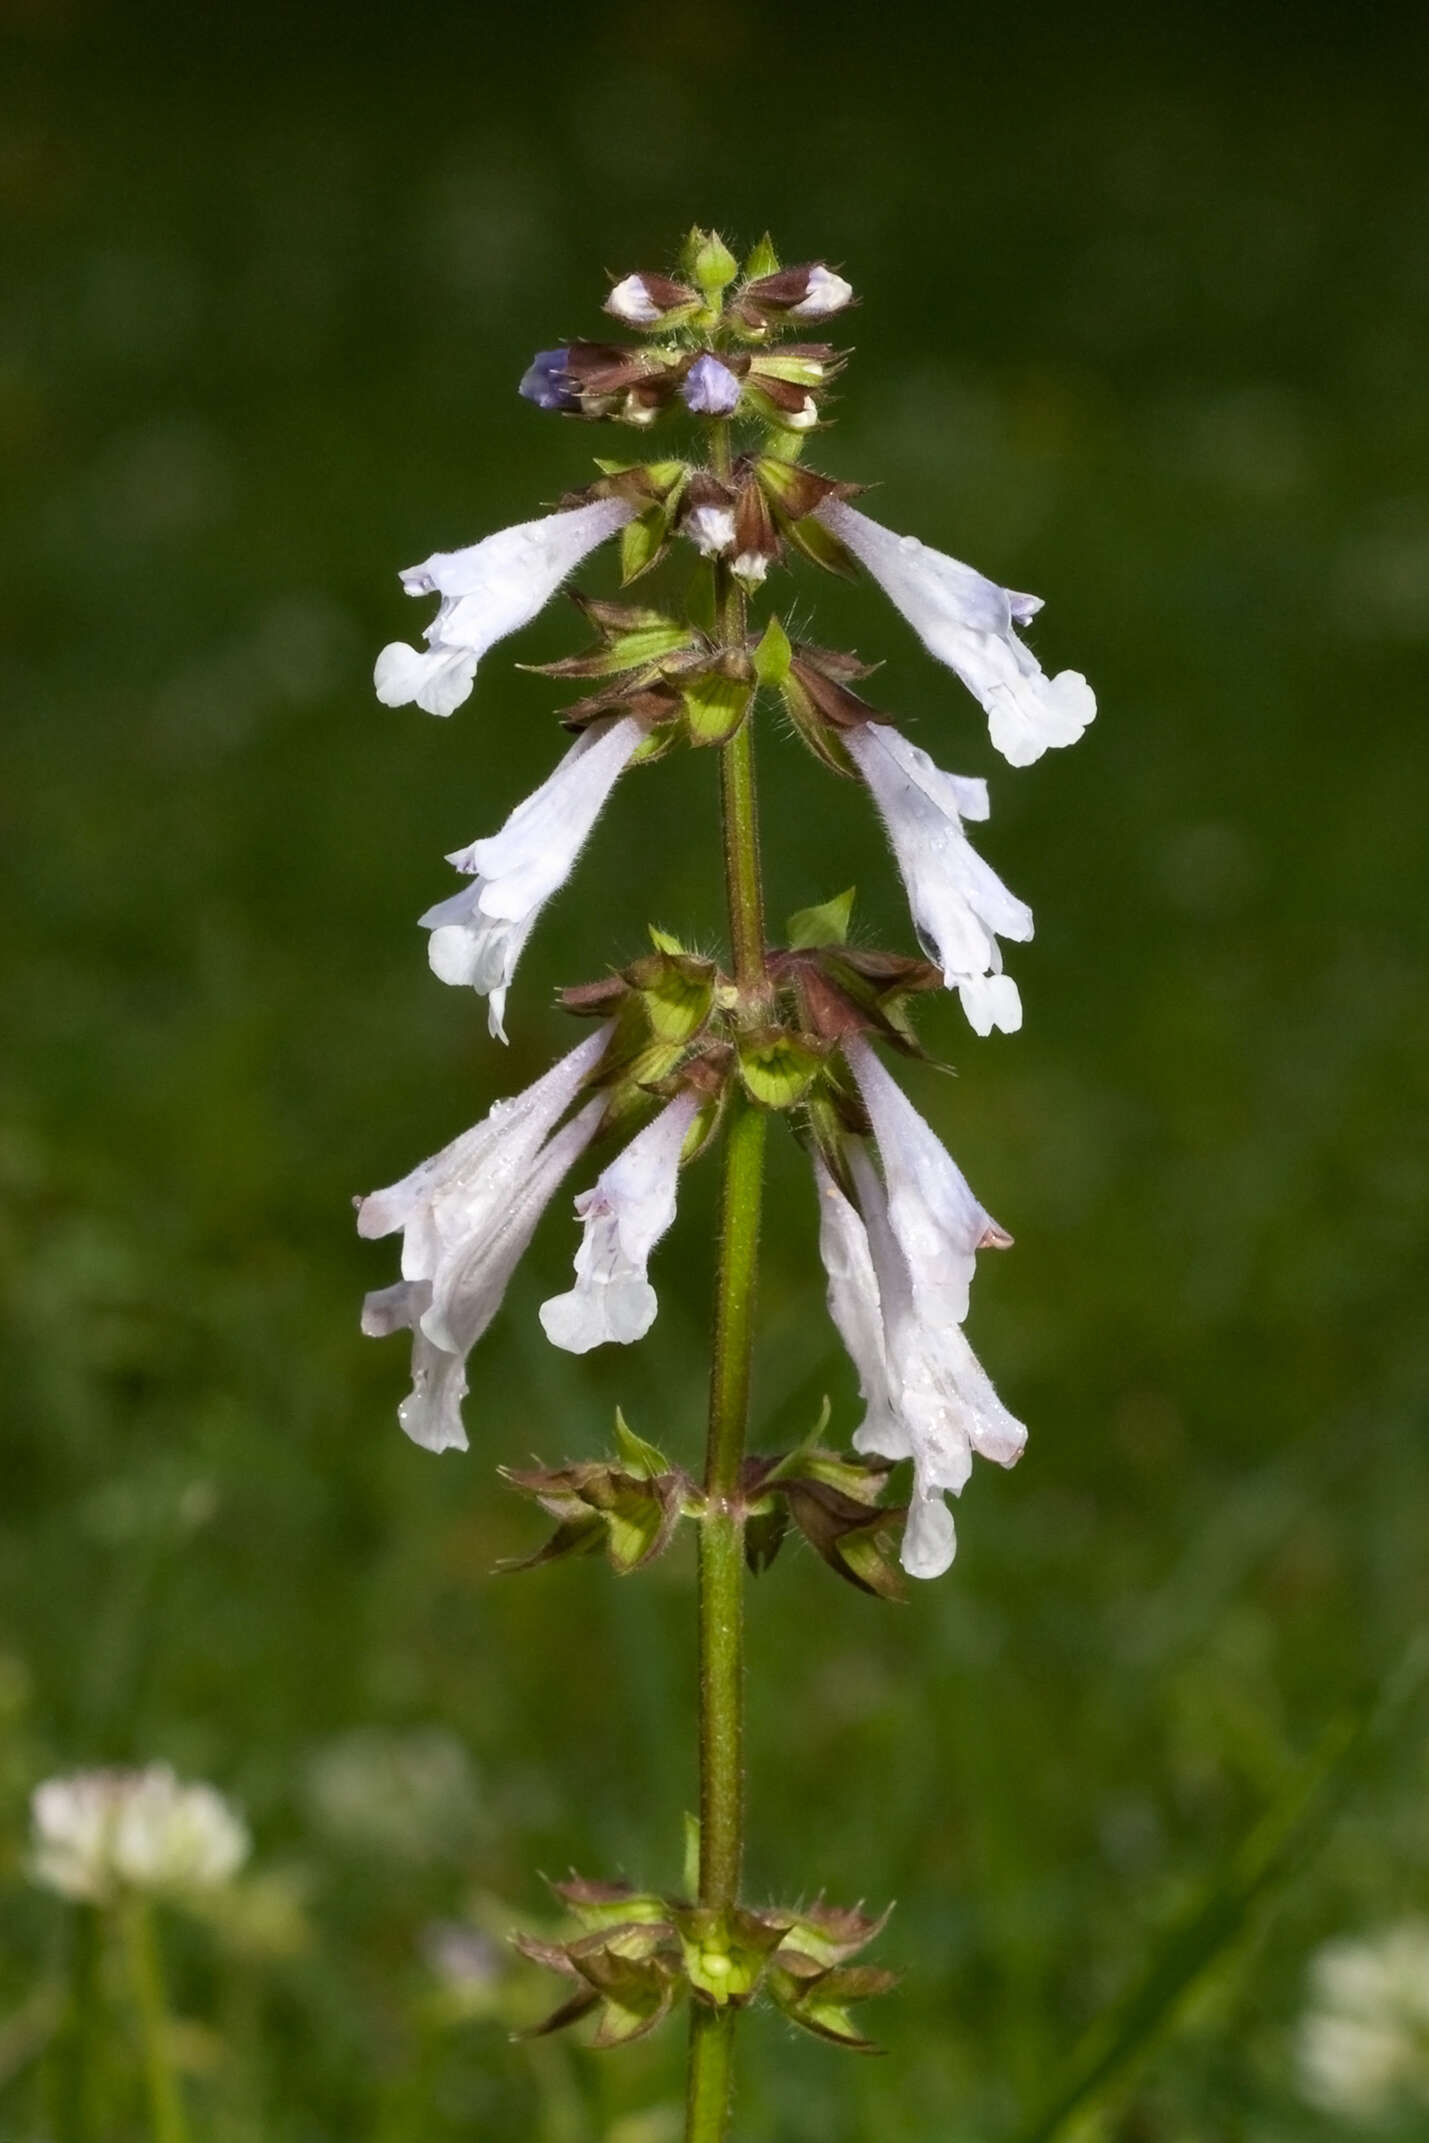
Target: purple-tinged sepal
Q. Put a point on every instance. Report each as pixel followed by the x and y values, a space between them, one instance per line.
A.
pixel 811 291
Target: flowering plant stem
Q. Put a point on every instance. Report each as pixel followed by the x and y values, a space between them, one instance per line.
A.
pixel 721 1550
pixel 141 1950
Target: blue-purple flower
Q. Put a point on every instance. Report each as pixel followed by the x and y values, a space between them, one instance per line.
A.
pixel 547 382
pixel 710 389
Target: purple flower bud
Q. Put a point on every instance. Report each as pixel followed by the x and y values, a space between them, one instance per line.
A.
pixel 710 389
pixel 547 383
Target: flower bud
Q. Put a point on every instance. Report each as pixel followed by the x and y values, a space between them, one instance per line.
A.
pixel 651 301
pixel 547 382
pixel 708 515
pixel 809 292
pixel 783 402
pixel 710 389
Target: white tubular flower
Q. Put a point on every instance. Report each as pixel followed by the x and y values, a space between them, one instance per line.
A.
pixel 967 622
pixel 856 1308
pixel 466 1216
pixel 630 1207
pixel 942 1407
pixel 478 934
pixel 960 906
pixel 97 1833
pixel 938 1223
pixel 488 590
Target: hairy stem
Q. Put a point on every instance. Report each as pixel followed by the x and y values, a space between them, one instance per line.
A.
pixel 141 1946
pixel 721 1629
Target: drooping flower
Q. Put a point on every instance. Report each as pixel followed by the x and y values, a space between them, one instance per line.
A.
pixel 626 1213
pixel 466 1217
pixel 938 1223
pixel 710 389
pixel 547 382
pixel 488 590
pixel 857 1311
pixel 967 622
pixel 928 1397
pixel 478 934
pixel 960 905
pixel 98 1833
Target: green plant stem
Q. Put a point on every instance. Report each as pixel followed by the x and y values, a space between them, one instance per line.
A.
pixel 721 1555
pixel 141 1949
pixel 79 2051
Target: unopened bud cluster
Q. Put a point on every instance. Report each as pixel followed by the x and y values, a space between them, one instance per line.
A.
pixel 711 331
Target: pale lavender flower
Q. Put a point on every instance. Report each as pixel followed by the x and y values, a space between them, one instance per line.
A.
pixel 960 905
pixel 938 1223
pixel 967 622
pixel 857 1311
pixel 487 591
pixel 626 1213
pixel 466 1216
pixel 98 1833
pixel 710 389
pixel 478 933
pixel 928 1397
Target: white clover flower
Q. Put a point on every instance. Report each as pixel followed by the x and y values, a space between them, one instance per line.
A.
pixel 929 1399
pixel 827 293
pixel 1363 2043
pixel 488 590
pixel 967 622
pixel 98 1833
pixel 466 1216
pixel 938 1223
pixel 958 902
pixel 479 933
pixel 626 1213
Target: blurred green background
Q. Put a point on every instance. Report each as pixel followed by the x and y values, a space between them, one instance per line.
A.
pixel 1143 328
